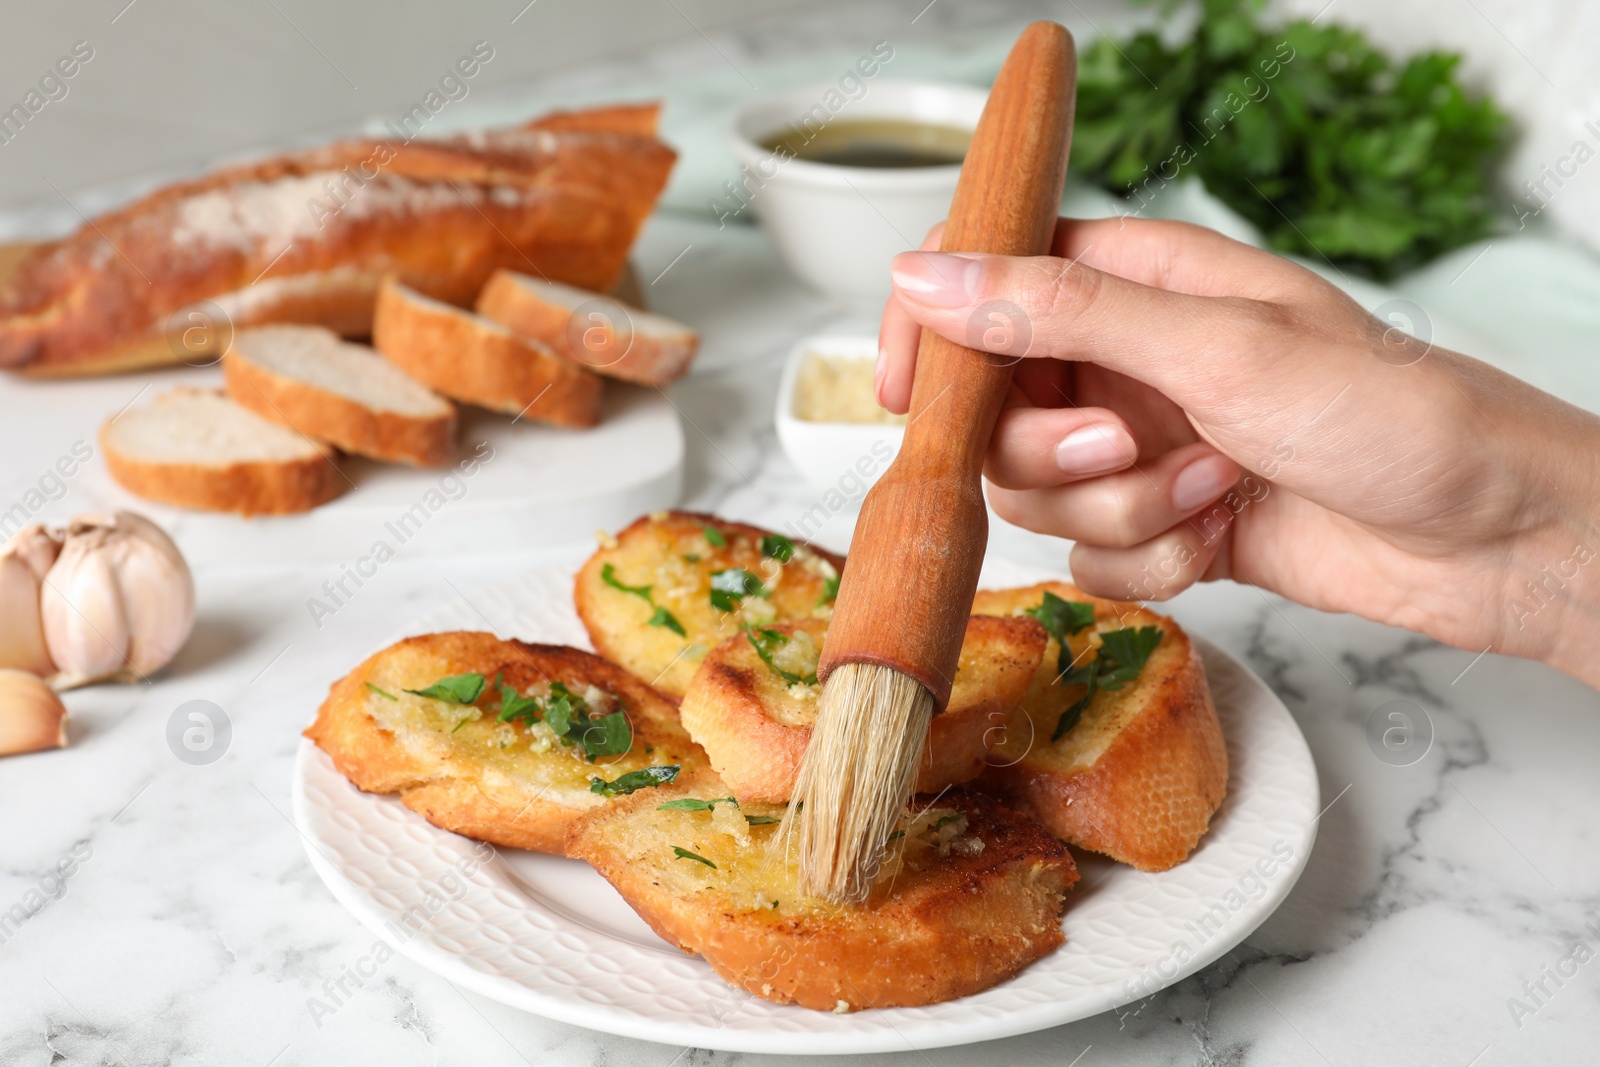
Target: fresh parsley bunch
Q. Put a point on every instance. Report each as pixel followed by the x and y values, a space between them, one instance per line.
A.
pixel 1330 147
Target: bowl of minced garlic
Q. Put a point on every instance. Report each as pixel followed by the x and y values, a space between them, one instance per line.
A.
pixel 829 422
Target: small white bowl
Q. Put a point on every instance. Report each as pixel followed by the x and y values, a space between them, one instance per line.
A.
pixel 846 457
pixel 837 227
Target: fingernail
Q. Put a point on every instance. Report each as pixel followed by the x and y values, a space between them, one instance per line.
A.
pixel 1095 449
pixel 937 279
pixel 1202 481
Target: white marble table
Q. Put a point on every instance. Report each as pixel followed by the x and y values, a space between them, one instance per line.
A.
pixel 192 929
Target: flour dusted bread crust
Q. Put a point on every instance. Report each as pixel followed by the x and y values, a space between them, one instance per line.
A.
pixel 307 236
pixel 509 783
pixel 195 448
pixel 678 555
pixel 1140 775
pixel 469 358
pixel 755 725
pixel 969 895
pixel 307 378
pixel 598 331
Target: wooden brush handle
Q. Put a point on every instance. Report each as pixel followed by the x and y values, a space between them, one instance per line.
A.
pixel 913 566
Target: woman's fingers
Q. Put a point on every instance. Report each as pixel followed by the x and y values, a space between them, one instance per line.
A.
pixel 1037 448
pixel 898 337
pixel 1157 569
pixel 1126 508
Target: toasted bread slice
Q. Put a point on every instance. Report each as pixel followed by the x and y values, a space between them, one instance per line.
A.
pixel 1143 770
pixel 195 448
pixel 677 555
pixel 598 331
pixel 510 783
pixel 755 724
pixel 969 894
pixel 469 358
pixel 307 378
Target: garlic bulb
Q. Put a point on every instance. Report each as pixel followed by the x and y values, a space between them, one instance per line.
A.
pixel 119 601
pixel 23 563
pixel 32 717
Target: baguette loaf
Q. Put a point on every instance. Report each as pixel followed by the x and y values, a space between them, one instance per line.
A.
pixel 307 236
pixel 195 448
pixel 468 358
pixel 969 894
pixel 755 723
pixel 306 378
pixel 516 782
pixel 603 334
pixel 1139 774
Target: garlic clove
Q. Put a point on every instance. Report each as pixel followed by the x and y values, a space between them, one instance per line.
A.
pixel 32 717
pixel 23 563
pixel 159 592
pixel 119 601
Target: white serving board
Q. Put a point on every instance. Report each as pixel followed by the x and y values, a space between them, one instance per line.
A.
pixel 542 486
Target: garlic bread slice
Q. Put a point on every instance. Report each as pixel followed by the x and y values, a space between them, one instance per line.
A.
pixel 660 595
pixel 753 703
pixel 502 741
pixel 1134 769
pixel 969 894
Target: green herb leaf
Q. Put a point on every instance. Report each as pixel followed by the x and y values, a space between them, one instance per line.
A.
pixel 945 820
pixel 634 781
pixel 464 720
pixel 1123 654
pixel 761 820
pixel 685 854
pixel 695 804
pixel 1061 618
pixel 778 547
pixel 380 692
pixel 730 586
pixel 830 591
pixel 1311 132
pixel 513 705
pixel 608 735
pixel 456 689
pixel 897 835
pixel 714 536
pixel 608 575
pixel 665 618
pixel 766 642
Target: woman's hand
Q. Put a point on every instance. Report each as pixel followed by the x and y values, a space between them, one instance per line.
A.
pixel 1191 408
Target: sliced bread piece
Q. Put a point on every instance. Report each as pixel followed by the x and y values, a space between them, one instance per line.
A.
pixel 1137 771
pixel 598 331
pixel 470 358
pixel 195 448
pixel 969 894
pixel 753 702
pixel 309 379
pixel 422 718
pixel 664 592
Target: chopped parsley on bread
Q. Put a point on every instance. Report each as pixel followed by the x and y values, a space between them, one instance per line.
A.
pixel 1116 748
pixel 502 741
pixel 661 594
pixel 970 893
pixel 753 703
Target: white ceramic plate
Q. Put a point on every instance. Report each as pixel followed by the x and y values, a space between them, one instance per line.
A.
pixel 603 477
pixel 549 935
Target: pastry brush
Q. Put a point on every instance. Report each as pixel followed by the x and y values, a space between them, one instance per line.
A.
pixel 903 602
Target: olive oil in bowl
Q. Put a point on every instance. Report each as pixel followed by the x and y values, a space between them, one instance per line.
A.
pixel 885 144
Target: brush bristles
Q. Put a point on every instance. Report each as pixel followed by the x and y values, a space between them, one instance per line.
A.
pixel 855 778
